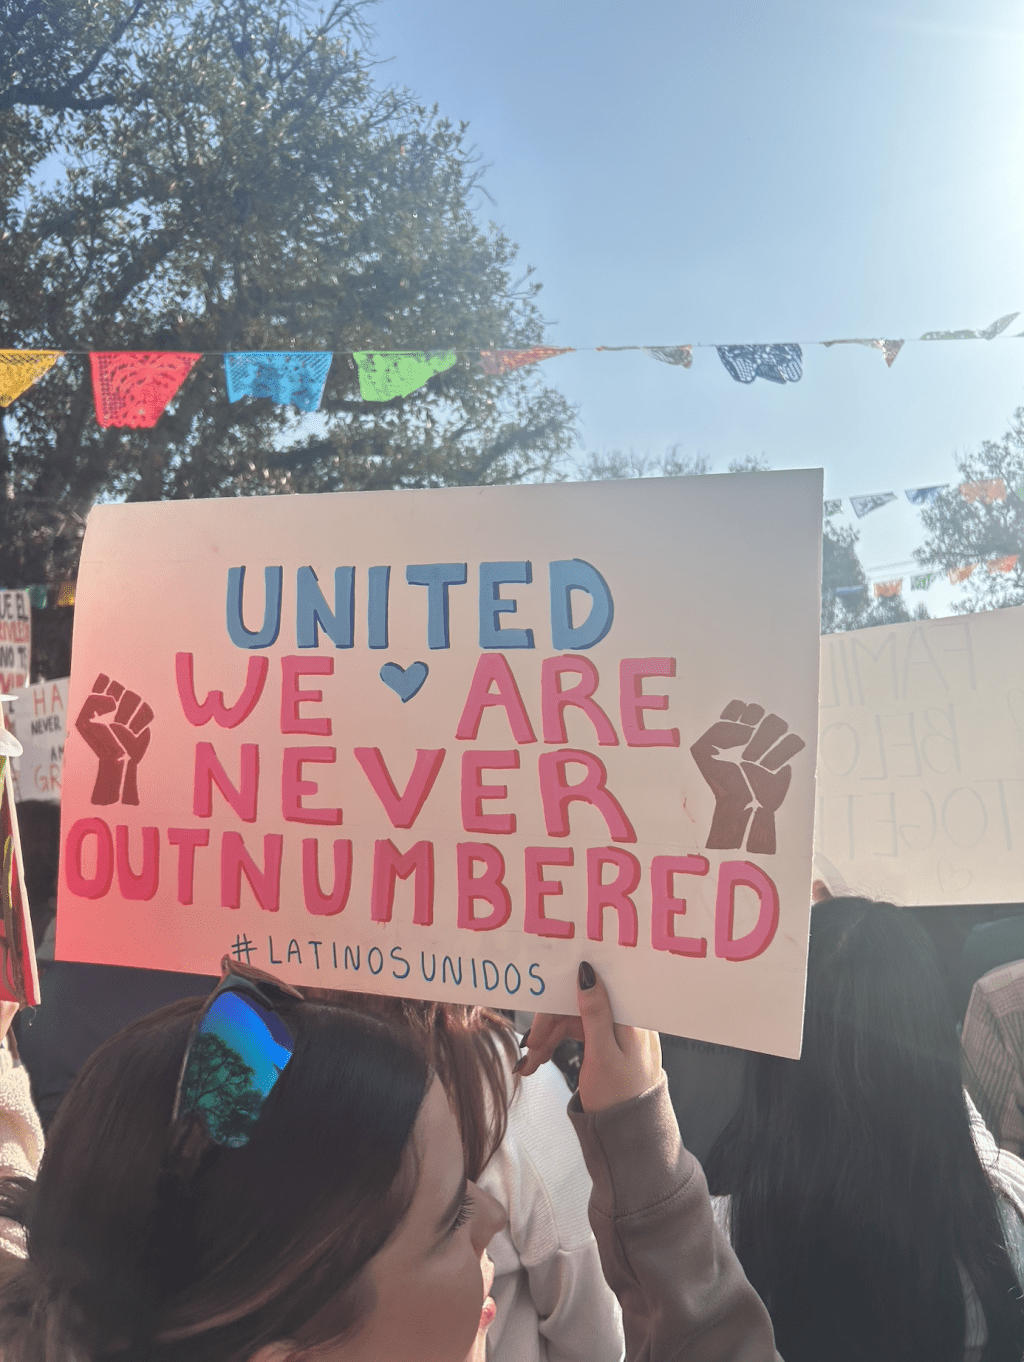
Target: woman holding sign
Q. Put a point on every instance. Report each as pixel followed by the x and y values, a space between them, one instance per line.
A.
pixel 258 1178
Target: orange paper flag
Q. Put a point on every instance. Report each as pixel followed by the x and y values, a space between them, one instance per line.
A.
pixel 1005 564
pixel 504 361
pixel 986 491
pixel 960 574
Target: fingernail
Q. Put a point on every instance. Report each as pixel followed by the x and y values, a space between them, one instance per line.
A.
pixel 518 1066
pixel 526 1037
pixel 587 977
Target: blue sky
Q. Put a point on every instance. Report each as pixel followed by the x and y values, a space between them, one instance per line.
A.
pixel 726 172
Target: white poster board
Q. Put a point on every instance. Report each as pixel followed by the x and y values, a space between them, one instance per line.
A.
pixel 38 719
pixel 449 743
pixel 921 761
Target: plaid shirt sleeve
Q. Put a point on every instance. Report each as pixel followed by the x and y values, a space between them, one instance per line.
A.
pixel 993 1053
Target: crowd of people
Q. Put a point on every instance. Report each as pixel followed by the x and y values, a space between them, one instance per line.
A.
pixel 256 1173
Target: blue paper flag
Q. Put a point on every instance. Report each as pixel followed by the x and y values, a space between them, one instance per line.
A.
pixel 921 496
pixel 776 363
pixel 295 376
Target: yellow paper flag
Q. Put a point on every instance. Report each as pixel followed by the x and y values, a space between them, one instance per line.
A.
pixel 19 369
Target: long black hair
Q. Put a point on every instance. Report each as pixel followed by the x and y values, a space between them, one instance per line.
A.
pixel 857 1193
pixel 266 1242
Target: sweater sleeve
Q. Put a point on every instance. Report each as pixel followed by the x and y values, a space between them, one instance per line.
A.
pixel 21 1137
pixel 682 1290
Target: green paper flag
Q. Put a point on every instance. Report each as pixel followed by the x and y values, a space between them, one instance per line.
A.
pixel 384 374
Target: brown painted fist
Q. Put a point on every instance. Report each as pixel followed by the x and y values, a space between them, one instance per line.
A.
pixel 120 744
pixel 755 783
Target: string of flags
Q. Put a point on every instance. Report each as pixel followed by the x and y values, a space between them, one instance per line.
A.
pixel 921 581
pixel 986 492
pixel 132 388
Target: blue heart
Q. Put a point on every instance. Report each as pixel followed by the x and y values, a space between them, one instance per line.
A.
pixel 404 681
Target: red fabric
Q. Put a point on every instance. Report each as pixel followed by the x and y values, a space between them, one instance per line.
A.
pixel 889 588
pixel 132 387
pixel 504 361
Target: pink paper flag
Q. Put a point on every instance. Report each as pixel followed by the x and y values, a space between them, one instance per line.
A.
pixel 132 387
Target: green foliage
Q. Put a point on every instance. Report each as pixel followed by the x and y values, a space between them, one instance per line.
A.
pixel 219 1084
pixel 616 464
pixel 236 182
pixel 961 532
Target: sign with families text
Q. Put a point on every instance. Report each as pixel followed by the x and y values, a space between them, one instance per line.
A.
pixel 446 744
pixel 921 761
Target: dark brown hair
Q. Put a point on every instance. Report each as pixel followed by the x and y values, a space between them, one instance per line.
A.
pixel 463 1045
pixel 858 1197
pixel 264 1243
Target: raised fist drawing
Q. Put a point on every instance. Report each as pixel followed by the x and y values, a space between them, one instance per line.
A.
pixel 120 744
pixel 755 783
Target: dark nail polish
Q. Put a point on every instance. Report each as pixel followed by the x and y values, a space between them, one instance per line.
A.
pixel 526 1037
pixel 517 1067
pixel 587 977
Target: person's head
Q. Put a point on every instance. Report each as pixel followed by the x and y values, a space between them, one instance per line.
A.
pixel 856 1187
pixel 338 1231
pixel 463 1045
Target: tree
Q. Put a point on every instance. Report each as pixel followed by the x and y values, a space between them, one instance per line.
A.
pixel 230 179
pixel 842 609
pixel 984 531
pixel 221 1086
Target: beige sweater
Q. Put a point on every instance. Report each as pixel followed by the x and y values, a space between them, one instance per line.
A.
pixel 683 1294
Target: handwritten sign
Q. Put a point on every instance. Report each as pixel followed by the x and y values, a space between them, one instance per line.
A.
pixel 15 640
pixel 921 760
pixel 19 979
pixel 449 743
pixel 37 719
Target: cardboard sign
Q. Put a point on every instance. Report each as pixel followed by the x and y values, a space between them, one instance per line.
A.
pixel 38 720
pixel 449 743
pixel 19 981
pixel 15 640
pixel 921 761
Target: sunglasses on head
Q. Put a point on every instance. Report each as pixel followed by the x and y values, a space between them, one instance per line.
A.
pixel 238 1049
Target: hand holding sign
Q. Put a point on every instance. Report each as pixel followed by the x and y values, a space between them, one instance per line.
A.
pixel 126 736
pixel 619 1062
pixel 757 783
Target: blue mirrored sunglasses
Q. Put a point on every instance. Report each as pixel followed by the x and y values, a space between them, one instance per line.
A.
pixel 238 1051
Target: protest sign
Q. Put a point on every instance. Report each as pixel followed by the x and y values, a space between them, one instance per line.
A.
pixel 449 743
pixel 19 981
pixel 15 640
pixel 921 760
pixel 38 720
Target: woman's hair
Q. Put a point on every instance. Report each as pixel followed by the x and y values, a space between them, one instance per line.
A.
pixel 463 1045
pixel 262 1243
pixel 856 1189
